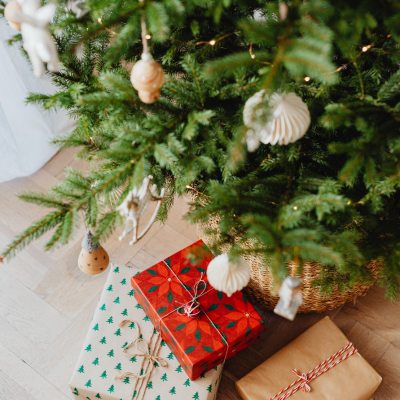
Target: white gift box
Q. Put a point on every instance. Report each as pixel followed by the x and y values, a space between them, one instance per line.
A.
pixel 102 357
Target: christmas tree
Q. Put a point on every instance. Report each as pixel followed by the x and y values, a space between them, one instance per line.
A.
pixel 111 353
pixel 164 378
pixel 330 197
pixel 81 369
pixel 173 390
pixel 96 327
pixel 110 320
pixel 89 348
pixel 96 361
pixel 126 380
pixel 88 383
pixel 103 375
pixel 187 382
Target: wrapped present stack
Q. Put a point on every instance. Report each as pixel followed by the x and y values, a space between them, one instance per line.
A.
pixel 202 326
pixel 102 357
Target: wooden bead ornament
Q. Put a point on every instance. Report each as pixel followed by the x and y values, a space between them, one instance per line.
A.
pixel 93 259
pixel 147 77
pixel 11 11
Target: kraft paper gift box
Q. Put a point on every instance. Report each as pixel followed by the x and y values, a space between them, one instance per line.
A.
pixel 224 326
pixel 351 379
pixel 102 357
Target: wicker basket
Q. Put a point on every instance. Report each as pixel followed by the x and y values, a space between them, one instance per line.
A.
pixel 259 289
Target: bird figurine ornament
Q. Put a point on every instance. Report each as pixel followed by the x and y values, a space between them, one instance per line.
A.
pixel 134 206
pixel 38 41
pixel 290 298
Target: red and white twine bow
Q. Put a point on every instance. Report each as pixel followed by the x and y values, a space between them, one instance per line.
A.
pixel 192 307
pixel 304 385
pixel 305 379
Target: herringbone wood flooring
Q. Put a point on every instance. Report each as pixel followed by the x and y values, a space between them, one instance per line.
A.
pixel 46 304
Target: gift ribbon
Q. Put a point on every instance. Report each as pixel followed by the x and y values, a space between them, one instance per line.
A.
pixel 305 379
pixel 145 352
pixel 198 306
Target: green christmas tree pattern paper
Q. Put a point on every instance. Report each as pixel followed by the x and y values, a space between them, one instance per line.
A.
pixel 101 358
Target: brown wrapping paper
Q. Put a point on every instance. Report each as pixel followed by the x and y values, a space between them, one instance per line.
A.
pixel 352 379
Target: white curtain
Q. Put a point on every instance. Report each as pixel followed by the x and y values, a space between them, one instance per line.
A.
pixel 25 130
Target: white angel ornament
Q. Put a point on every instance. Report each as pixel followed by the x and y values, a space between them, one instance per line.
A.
pixel 290 298
pixel 38 41
pixel 134 206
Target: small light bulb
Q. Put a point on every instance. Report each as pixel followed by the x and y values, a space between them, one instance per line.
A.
pixel 307 78
pixel 295 208
pixel 389 35
pixel 148 37
pixel 349 202
pixel 188 187
pixel 364 49
pixel 212 42
pixel 99 19
pixel 253 56
pixel 87 29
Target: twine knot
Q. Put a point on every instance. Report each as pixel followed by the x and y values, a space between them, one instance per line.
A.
pixel 192 308
pixel 144 351
pixel 304 384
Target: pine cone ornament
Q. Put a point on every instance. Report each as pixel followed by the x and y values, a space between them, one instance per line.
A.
pixel 147 77
pixel 276 118
pixel 10 12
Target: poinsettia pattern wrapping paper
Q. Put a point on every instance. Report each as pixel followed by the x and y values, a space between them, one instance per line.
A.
pixel 198 343
pixel 101 357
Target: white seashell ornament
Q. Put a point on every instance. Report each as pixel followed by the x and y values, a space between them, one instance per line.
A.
pixel 277 118
pixel 226 276
pixel 147 77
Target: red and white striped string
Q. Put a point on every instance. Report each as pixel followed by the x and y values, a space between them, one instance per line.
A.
pixel 305 379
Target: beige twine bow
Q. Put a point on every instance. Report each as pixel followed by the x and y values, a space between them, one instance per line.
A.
pixel 144 350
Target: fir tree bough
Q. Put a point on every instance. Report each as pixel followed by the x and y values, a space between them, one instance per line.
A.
pixel 332 197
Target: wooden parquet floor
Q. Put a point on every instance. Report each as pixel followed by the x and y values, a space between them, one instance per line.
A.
pixel 46 304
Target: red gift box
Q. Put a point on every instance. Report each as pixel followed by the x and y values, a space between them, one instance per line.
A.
pixel 224 326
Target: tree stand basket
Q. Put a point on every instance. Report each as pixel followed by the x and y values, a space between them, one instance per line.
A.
pixel 259 289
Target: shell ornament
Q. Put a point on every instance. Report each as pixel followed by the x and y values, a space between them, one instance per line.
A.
pixel 281 118
pixel 147 77
pixel 226 276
